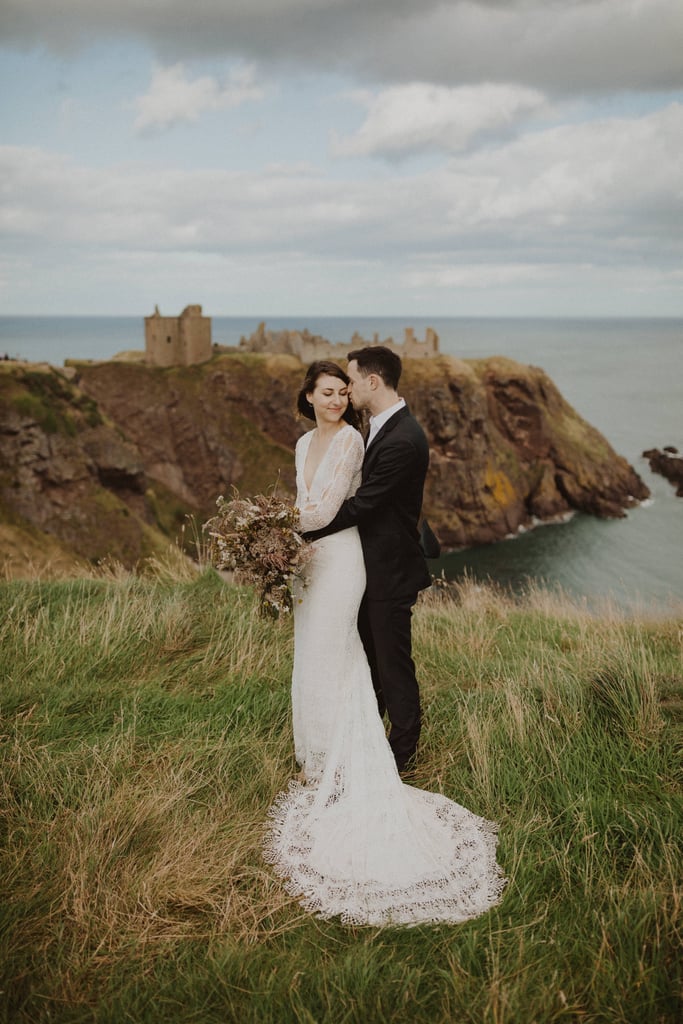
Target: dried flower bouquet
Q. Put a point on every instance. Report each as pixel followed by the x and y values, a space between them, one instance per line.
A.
pixel 258 539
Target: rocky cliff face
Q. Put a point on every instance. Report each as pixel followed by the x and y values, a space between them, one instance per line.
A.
pixel 70 482
pixel 508 450
pixel 109 463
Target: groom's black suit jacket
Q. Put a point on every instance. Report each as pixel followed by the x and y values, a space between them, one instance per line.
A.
pixel 386 509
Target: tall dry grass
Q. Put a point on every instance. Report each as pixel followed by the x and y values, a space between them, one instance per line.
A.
pixel 145 731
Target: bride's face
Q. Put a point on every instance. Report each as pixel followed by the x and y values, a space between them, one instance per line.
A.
pixel 329 398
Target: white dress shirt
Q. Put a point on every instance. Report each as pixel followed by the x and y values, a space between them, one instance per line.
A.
pixel 378 421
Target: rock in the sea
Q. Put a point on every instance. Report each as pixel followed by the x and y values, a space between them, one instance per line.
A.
pixel 668 463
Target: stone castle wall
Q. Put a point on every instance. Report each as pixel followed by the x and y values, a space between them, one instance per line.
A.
pixel 309 347
pixel 178 340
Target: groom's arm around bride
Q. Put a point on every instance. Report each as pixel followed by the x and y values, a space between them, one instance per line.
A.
pixel 386 510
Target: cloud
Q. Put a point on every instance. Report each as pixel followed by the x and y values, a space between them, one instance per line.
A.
pixel 603 191
pixel 564 288
pixel 49 197
pixel 514 103
pixel 173 97
pixel 584 47
pixel 478 276
pixel 559 47
pixel 609 177
pixel 409 118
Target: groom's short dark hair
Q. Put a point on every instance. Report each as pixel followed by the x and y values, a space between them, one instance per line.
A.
pixel 380 360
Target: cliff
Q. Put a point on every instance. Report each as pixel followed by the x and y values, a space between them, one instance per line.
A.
pixel 508 450
pixel 71 484
pixel 110 462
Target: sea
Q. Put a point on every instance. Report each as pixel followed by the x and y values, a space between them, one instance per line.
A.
pixel 624 376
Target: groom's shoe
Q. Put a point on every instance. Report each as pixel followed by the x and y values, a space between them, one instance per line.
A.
pixel 407 770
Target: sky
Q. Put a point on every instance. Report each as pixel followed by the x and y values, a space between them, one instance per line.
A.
pixel 342 157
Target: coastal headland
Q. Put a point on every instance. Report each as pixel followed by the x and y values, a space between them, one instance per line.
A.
pixel 106 460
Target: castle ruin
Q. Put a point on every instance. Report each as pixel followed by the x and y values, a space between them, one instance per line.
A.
pixel 178 340
pixel 309 347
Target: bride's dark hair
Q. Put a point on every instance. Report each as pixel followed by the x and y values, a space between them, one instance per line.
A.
pixel 320 368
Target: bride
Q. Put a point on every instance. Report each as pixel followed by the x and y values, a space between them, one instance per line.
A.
pixel 349 837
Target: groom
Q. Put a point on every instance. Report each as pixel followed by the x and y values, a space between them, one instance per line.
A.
pixel 386 508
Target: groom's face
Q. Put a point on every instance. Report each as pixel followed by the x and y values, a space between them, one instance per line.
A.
pixel 359 387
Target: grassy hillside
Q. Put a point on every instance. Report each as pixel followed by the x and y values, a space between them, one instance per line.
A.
pixel 145 731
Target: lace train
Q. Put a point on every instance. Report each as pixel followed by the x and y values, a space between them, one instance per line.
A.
pixel 354 841
pixel 440 866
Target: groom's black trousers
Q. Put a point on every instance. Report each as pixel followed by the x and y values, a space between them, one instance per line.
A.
pixel 384 627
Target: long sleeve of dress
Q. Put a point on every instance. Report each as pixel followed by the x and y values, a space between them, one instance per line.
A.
pixel 393 468
pixel 337 477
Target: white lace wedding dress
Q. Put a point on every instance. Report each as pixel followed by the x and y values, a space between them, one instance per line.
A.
pixel 355 841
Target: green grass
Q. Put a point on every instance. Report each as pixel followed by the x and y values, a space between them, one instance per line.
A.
pixel 145 730
pixel 45 396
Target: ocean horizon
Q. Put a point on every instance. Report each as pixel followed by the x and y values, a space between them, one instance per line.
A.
pixel 623 375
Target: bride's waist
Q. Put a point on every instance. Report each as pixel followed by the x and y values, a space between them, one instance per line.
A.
pixel 343 536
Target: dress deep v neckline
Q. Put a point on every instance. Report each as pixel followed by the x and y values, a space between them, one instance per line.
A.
pixel 307 489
